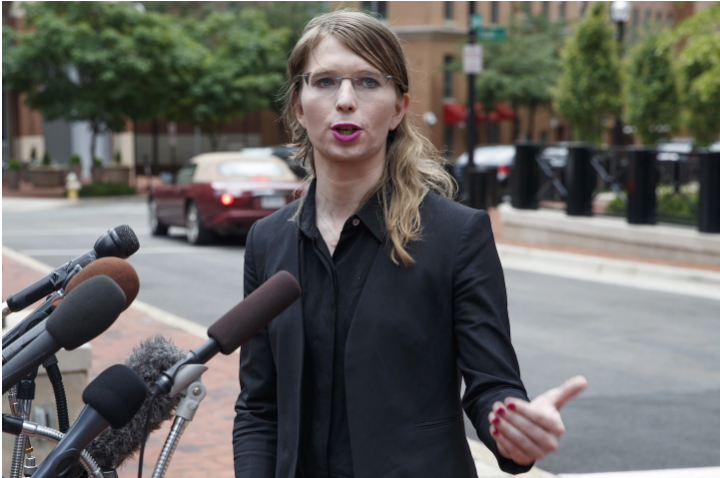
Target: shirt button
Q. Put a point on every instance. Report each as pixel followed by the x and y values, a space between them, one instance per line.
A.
pixel 356 221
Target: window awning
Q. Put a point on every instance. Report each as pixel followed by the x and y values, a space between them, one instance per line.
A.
pixel 454 113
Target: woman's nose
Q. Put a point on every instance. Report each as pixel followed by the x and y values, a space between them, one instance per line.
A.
pixel 346 96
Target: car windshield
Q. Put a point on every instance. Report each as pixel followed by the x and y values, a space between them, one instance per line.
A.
pixel 250 168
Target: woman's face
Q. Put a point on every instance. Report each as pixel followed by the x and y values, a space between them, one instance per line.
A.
pixel 347 124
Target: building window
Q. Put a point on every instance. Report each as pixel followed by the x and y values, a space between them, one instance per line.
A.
pixel 658 17
pixel 583 7
pixel 669 18
pixel 379 8
pixel 494 12
pixel 561 11
pixel 647 16
pixel 546 8
pixel 448 91
pixel 449 14
pixel 635 17
pixel 449 140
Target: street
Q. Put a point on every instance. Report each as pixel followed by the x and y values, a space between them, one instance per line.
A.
pixel 651 358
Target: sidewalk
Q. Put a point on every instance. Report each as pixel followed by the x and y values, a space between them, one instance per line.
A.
pixel 27 190
pixel 206 446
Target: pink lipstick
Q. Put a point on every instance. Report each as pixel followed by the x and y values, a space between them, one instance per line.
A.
pixel 346 132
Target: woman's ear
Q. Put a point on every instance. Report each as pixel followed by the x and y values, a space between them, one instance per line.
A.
pixel 299 112
pixel 401 106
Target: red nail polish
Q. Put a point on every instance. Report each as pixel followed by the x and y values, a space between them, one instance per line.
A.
pixel 496 420
pixel 495 432
pixel 501 411
pixel 511 406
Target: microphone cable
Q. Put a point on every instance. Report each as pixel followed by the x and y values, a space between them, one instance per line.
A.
pixel 153 395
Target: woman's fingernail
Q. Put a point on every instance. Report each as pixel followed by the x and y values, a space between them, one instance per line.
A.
pixel 495 431
pixel 496 420
pixel 501 411
pixel 511 406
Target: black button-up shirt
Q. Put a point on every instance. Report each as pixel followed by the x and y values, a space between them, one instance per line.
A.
pixel 331 285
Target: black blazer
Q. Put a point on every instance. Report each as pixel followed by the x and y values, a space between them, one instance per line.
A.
pixel 415 331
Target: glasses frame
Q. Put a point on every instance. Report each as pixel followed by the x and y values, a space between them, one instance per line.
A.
pixel 306 76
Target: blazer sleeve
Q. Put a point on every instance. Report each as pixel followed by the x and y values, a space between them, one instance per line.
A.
pixel 486 356
pixel 255 427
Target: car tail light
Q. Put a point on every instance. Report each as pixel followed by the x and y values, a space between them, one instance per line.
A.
pixel 504 169
pixel 227 199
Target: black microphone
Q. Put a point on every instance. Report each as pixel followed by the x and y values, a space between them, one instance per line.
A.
pixel 148 360
pixel 119 242
pixel 112 399
pixel 118 270
pixel 238 325
pixel 88 311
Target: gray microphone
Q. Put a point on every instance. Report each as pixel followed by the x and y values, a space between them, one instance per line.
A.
pixel 89 310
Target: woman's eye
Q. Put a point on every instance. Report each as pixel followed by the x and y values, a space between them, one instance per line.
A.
pixel 369 82
pixel 324 82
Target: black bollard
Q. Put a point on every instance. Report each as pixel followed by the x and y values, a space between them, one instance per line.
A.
pixel 709 204
pixel 525 177
pixel 641 184
pixel 581 178
pixel 481 187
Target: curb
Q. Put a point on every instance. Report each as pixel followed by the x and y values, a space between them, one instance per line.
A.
pixel 695 282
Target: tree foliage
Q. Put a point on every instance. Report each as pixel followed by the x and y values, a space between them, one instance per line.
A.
pixel 699 65
pixel 98 62
pixel 589 87
pixel 239 71
pixel 522 69
pixel 651 97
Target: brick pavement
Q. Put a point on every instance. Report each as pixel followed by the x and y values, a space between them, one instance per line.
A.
pixel 206 446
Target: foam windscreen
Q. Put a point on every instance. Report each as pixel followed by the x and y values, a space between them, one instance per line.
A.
pixel 89 310
pixel 117 269
pixel 247 318
pixel 127 240
pixel 117 394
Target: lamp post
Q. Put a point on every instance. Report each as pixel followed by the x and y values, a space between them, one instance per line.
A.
pixel 620 14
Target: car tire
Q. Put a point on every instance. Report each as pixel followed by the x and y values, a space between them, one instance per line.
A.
pixel 197 234
pixel 157 228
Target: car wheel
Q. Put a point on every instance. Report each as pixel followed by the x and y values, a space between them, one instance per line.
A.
pixel 157 228
pixel 197 234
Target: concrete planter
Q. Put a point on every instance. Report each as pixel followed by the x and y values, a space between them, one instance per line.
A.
pixel 12 178
pixel 45 177
pixel 116 174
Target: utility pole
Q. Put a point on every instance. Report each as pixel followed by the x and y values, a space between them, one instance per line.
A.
pixel 472 65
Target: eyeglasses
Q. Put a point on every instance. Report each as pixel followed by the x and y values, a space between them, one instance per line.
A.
pixel 327 83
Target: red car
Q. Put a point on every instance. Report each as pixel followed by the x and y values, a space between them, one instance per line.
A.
pixel 221 193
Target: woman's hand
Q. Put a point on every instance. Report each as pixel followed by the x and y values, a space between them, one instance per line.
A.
pixel 526 432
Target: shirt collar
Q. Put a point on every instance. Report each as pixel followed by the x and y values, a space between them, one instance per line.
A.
pixel 370 214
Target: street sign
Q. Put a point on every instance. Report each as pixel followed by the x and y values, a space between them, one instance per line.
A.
pixel 476 22
pixel 472 59
pixel 491 34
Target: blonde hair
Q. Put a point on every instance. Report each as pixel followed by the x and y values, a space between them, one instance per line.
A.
pixel 413 166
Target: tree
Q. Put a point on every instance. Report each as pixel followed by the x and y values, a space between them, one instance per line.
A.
pixel 699 64
pixel 239 71
pixel 651 97
pixel 589 86
pixel 522 69
pixel 98 62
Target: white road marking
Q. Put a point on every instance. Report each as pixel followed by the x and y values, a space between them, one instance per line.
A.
pixel 141 251
pixel 710 472
pixel 75 231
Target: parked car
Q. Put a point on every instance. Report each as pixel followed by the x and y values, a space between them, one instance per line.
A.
pixel 222 193
pixel 282 152
pixel 677 149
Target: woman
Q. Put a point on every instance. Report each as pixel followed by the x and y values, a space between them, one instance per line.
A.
pixel 403 293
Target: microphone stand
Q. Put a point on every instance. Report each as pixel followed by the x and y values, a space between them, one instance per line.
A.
pixel 188 383
pixel 25 395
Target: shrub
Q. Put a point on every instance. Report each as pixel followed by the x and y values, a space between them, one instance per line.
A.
pixel 118 158
pixel 14 165
pixel 97 163
pixel 106 189
pixel 33 153
pixel 75 160
pixel 46 161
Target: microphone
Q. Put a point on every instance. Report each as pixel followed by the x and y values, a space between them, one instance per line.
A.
pixel 112 399
pixel 90 310
pixel 148 360
pixel 117 269
pixel 238 325
pixel 119 242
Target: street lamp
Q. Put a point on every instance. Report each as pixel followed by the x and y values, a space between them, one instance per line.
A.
pixel 620 14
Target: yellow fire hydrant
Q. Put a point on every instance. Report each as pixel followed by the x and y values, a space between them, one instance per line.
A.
pixel 72 186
